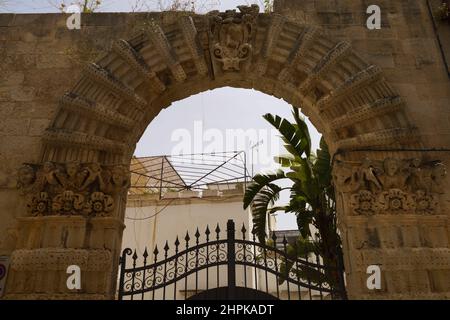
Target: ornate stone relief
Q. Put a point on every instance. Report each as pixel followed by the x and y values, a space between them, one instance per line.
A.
pixel 72 188
pixel 232 34
pixel 392 186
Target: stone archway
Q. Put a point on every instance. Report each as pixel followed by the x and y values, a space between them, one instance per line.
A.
pixel 99 121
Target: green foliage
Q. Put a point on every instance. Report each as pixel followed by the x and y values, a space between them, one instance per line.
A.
pixel 268 6
pixel 260 204
pixel 312 198
pixel 87 6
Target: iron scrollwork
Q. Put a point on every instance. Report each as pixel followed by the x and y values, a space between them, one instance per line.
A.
pixel 229 252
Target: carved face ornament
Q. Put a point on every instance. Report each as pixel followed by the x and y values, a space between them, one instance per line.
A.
pixel 72 168
pixel 390 166
pixel 118 176
pixel 26 176
pixel 439 172
pixel 48 167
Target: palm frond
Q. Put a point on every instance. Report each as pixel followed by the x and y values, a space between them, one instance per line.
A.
pixel 322 165
pixel 292 137
pixel 259 182
pixel 260 205
pixel 303 128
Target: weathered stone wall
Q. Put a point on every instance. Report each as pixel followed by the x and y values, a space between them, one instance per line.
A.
pixel 42 60
pixel 406 48
pixel 408 51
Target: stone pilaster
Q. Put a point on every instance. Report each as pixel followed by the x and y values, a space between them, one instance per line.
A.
pixel 74 218
pixel 393 217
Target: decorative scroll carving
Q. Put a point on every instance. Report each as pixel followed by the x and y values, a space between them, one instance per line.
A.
pixel 232 34
pixel 72 188
pixel 392 186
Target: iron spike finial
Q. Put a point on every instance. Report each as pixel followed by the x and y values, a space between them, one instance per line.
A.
pixel 156 251
pixel 217 232
pixel 166 247
pixel 207 233
pixel 274 236
pixel 244 231
pixel 197 234
pixel 145 254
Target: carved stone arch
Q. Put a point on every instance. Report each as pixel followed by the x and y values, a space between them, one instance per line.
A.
pixel 100 120
pixel 347 98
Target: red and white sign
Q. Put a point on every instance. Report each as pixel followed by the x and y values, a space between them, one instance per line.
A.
pixel 4 264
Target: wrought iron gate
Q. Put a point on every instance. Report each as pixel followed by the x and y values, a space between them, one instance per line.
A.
pixel 259 268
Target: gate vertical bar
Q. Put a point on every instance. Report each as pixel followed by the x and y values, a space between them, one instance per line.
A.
pixel 123 262
pixel 231 255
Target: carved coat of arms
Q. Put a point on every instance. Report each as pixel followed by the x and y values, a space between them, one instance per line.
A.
pixel 232 33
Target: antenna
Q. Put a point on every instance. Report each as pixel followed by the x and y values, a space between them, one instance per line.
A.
pixel 253 147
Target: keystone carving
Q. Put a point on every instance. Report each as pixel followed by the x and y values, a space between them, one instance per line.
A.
pixel 72 188
pixel 232 34
pixel 392 186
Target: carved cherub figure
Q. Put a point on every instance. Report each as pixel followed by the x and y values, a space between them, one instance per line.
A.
pixel 26 178
pixel 438 174
pixel 368 175
pixel 70 178
pixel 425 181
pixel 394 177
pixel 46 178
pixel 120 178
pixel 413 181
pixel 92 174
pixel 345 177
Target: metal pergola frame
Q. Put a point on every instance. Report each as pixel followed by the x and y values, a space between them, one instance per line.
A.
pixel 198 171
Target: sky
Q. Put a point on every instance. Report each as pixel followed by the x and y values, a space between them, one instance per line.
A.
pixel 41 6
pixel 207 120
